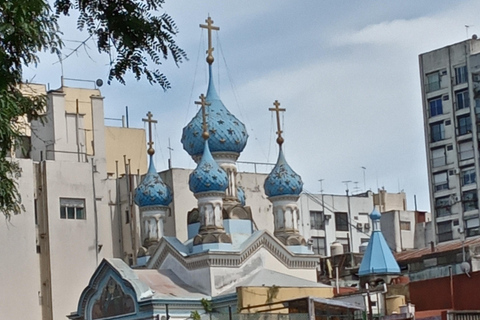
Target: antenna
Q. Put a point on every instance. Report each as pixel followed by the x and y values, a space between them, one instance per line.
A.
pixel 364 184
pixel 466 28
pixel 170 155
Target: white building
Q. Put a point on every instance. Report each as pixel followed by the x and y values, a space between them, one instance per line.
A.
pixel 450 78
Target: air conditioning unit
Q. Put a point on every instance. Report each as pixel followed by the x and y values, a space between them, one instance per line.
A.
pixel 359 226
pixel 366 226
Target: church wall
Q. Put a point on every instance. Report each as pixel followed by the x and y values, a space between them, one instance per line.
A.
pixel 227 278
pixel 19 273
pixel 197 278
pixel 71 241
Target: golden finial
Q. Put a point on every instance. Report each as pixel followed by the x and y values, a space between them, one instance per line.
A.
pixel 149 119
pixel 209 26
pixel 204 103
pixel 277 111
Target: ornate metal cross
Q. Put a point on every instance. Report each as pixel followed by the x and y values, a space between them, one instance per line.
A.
pixel 209 26
pixel 277 111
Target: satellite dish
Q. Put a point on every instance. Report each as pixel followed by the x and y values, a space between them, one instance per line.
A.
pixel 99 82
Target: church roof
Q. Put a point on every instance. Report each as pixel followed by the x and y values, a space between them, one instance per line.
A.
pixel 378 258
pixel 282 180
pixel 227 133
pixel 152 191
pixel 208 175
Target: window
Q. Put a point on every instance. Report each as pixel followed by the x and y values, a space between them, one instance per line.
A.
pixel 437 131
pixel 433 82
pixel 318 245
pixel 444 231
pixel 463 101
pixel 341 221
pixel 72 209
pixel 472 227
pixel 468 176
pixel 127 216
pixel 461 74
pixel 440 181
pixel 316 220
pixel 466 150
pixel 464 124
pixel 469 200
pixel 442 207
pixel 438 157
pixel 404 225
pixel 435 106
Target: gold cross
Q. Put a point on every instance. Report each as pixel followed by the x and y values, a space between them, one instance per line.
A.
pixel 277 111
pixel 204 103
pixel 209 26
pixel 149 119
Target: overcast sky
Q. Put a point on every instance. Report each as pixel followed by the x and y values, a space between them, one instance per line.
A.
pixel 346 71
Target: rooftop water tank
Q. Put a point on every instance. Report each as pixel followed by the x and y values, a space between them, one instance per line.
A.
pixel 336 248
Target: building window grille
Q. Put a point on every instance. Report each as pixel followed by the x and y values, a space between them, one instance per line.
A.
pixel 318 245
pixel 439 157
pixel 472 227
pixel 442 207
pixel 437 131
pixel 463 100
pixel 468 176
pixel 464 124
pixel 461 74
pixel 72 209
pixel 435 107
pixel 433 82
pixel 466 150
pixel 444 231
pixel 440 181
pixel 316 220
pixel 341 221
pixel 470 200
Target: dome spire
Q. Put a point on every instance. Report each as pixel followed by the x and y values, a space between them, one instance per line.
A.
pixel 209 26
pixel 149 119
pixel 279 130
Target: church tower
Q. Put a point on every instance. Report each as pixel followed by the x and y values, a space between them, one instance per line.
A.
pixel 153 197
pixel 378 263
pixel 208 183
pixel 283 187
pixel 228 136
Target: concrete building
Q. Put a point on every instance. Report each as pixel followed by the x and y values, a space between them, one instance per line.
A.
pixel 450 83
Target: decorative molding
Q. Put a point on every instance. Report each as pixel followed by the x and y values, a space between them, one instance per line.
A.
pixel 234 259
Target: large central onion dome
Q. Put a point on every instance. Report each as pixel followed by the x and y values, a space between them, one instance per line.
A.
pixel 227 133
pixel 283 180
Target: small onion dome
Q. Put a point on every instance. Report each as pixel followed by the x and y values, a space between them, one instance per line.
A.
pixel 208 176
pixel 375 215
pixel 227 133
pixel 241 195
pixel 152 191
pixel 282 180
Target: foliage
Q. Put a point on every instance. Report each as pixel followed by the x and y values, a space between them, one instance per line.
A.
pixel 26 28
pixel 128 30
pixel 195 315
pixel 207 305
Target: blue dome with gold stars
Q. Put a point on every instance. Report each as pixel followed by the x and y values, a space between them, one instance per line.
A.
pixel 208 176
pixel 282 180
pixel 227 133
pixel 152 191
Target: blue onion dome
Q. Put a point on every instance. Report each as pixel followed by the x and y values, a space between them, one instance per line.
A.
pixel 241 195
pixel 227 133
pixel 283 180
pixel 152 191
pixel 375 215
pixel 208 176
